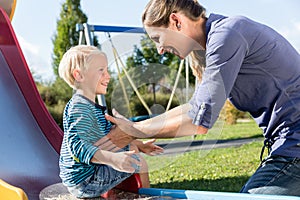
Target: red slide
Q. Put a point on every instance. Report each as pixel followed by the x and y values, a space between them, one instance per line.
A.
pixel 29 137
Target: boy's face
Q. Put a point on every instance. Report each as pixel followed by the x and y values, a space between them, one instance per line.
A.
pixel 96 77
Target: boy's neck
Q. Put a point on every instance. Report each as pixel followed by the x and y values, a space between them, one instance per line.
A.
pixel 91 97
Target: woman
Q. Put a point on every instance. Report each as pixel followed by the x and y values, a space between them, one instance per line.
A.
pixel 246 62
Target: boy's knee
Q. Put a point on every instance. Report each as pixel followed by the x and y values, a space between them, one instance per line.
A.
pixel 144 165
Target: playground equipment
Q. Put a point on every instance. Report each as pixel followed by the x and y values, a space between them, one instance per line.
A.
pixel 10 192
pixel 9 7
pixel 30 138
pixel 86 35
pixel 203 195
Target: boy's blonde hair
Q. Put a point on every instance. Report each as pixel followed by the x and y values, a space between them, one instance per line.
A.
pixel 76 57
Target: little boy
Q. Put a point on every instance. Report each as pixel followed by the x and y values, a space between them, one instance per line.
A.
pixel 88 170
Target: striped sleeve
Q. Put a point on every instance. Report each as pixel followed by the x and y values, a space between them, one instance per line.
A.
pixel 80 124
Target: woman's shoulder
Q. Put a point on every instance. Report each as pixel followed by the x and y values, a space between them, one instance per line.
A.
pixel 236 21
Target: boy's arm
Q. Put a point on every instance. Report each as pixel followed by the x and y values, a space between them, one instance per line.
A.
pixel 121 161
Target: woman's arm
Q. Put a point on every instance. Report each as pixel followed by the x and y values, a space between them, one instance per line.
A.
pixel 173 123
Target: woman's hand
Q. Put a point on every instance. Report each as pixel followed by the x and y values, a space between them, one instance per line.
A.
pixel 148 147
pixel 123 132
pixel 114 140
pixel 117 137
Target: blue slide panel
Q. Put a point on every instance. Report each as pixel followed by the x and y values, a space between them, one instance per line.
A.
pixel 203 195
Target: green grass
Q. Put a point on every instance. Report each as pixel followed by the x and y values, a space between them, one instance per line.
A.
pixel 224 170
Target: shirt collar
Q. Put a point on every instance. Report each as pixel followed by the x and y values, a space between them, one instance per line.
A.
pixel 212 18
pixel 103 108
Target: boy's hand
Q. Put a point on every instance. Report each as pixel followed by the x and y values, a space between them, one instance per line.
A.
pixel 123 161
pixel 148 147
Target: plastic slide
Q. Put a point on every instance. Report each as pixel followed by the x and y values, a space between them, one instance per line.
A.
pixel 29 138
pixel 203 195
pixel 9 7
pixel 9 192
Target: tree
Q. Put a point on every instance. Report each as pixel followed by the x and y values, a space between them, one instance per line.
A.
pixel 58 93
pixel 67 36
pixel 147 54
pixel 153 74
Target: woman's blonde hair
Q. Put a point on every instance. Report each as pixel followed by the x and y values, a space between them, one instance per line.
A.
pixel 197 63
pixel 76 57
pixel 157 13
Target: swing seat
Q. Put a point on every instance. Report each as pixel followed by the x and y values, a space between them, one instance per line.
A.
pixel 139 118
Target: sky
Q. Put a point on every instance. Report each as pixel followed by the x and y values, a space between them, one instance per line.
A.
pixel 34 21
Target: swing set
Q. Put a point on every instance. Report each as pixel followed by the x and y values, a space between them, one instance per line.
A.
pixel 86 36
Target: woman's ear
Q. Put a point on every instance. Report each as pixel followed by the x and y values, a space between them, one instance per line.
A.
pixel 77 75
pixel 175 21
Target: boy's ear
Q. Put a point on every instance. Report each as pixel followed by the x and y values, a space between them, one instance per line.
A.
pixel 77 75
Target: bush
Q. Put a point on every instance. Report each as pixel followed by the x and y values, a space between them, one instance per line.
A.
pixel 231 114
pixel 55 96
pixel 57 112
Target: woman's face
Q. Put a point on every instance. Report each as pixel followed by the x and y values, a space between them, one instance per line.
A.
pixel 172 41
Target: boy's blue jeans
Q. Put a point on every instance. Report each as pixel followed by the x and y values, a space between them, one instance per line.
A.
pixel 277 175
pixel 104 179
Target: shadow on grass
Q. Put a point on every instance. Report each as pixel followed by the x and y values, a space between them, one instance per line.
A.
pixel 231 184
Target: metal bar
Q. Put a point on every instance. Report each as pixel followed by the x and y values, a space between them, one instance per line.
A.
pixel 87 33
pixel 117 29
pixel 205 195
